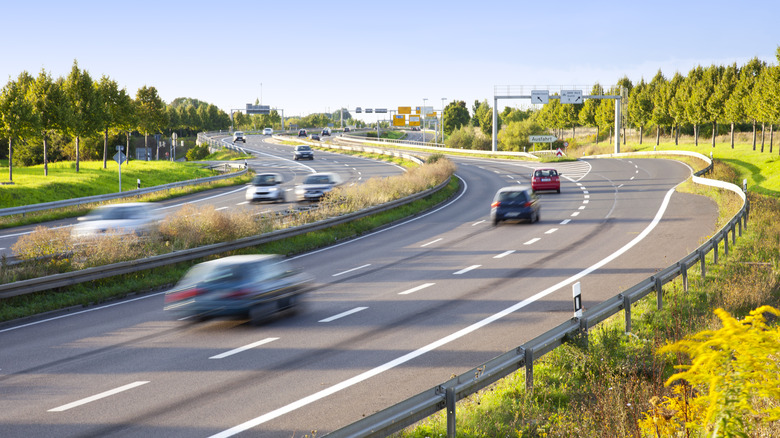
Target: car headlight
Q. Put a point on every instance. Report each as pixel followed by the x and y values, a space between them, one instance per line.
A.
pixel 273 189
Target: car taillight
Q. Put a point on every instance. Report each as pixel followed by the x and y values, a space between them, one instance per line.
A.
pixel 239 293
pixel 182 295
pixel 495 204
pixel 528 204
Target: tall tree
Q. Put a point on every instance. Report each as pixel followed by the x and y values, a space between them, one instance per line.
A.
pixel 475 112
pixel 748 78
pixel 455 115
pixel 51 111
pixel 150 114
pixel 677 98
pixel 115 107
pixel 17 116
pixel 84 106
pixel 660 98
pixel 696 92
pixel 587 114
pixel 640 107
pixel 624 87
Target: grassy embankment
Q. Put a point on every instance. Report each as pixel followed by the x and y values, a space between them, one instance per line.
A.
pixel 605 388
pixel 63 182
pixel 49 251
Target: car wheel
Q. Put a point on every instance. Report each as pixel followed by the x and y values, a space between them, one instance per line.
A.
pixel 495 222
pixel 259 313
pixel 534 217
pixel 559 190
pixel 295 158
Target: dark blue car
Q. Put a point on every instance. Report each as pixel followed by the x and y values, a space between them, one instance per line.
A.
pixel 515 203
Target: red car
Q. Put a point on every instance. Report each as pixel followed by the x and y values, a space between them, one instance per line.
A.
pixel 546 179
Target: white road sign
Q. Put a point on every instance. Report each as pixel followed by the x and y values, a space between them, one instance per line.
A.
pixel 571 96
pixel 540 96
pixel 542 138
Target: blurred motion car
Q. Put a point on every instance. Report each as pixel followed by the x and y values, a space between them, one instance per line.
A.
pixel 302 151
pixel 265 187
pixel 138 218
pixel 248 286
pixel 239 136
pixel 325 132
pixel 316 185
pixel 268 131
pixel 302 133
pixel 315 137
pixel 515 203
pixel 545 179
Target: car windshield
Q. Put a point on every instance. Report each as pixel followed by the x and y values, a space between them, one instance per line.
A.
pixel 264 180
pixel 116 213
pixel 317 179
pixel 513 197
pixel 303 148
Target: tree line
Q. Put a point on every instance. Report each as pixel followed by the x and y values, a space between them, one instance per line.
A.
pixel 739 97
pixel 45 119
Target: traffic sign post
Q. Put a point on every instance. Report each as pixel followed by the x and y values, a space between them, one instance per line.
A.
pixel 542 138
pixel 120 158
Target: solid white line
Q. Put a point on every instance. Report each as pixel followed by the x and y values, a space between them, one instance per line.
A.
pixel 343 314
pixel 351 270
pixel 551 230
pixel 565 221
pixel 98 396
pixel 431 242
pixel 532 241
pixel 445 340
pixel 415 289
pixel 464 270
pixel 504 254
pixel 477 223
pixel 244 348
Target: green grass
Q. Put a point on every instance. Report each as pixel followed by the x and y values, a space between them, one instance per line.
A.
pixel 30 186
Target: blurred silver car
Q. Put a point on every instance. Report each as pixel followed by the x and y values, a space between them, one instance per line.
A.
pixel 129 218
pixel 266 187
pixel 253 286
pixel 316 185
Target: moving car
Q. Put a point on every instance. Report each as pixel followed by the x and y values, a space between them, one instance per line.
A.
pixel 325 132
pixel 239 136
pixel 515 203
pixel 303 151
pixel 302 133
pixel 138 218
pixel 316 185
pixel 315 137
pixel 265 187
pixel 268 131
pixel 545 179
pixel 253 286
pixel 346 129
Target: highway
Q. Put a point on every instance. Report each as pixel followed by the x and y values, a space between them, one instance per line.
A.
pixel 270 157
pixel 393 313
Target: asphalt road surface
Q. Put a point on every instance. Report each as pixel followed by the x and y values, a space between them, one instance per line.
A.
pixel 394 313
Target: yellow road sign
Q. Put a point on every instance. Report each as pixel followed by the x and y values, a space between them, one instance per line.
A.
pixel 404 110
pixel 399 120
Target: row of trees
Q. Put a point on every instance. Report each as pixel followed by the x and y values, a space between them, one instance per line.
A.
pixel 76 107
pixel 737 96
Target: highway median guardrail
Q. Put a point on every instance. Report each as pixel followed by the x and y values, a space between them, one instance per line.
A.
pixel 446 395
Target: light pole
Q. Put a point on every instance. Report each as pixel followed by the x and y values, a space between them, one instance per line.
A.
pixel 441 125
pixel 422 113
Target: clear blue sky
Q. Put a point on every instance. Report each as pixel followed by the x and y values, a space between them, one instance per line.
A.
pixel 315 56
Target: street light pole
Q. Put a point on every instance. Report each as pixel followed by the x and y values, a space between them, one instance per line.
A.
pixel 441 125
pixel 422 112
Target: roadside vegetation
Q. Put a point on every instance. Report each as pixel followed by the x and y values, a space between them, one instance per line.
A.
pixel 50 251
pixel 644 384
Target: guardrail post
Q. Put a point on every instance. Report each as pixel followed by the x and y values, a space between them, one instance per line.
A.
pixel 659 293
pixel 627 309
pixel 715 249
pixel 529 370
pixel 739 223
pixel 703 262
pixel 450 399
pixel 726 242
pixel 684 274
pixel 733 234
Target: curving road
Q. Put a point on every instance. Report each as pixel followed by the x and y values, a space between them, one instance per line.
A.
pixel 270 157
pixel 395 312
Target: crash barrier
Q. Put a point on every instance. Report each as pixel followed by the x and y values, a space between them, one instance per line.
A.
pixel 128 194
pixel 446 395
pixel 114 269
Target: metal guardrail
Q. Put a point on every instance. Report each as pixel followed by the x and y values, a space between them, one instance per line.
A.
pixel 446 395
pixel 111 196
pixel 100 272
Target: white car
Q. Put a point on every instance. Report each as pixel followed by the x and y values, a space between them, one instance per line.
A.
pixel 316 185
pixel 128 218
pixel 268 131
pixel 265 187
pixel 239 136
